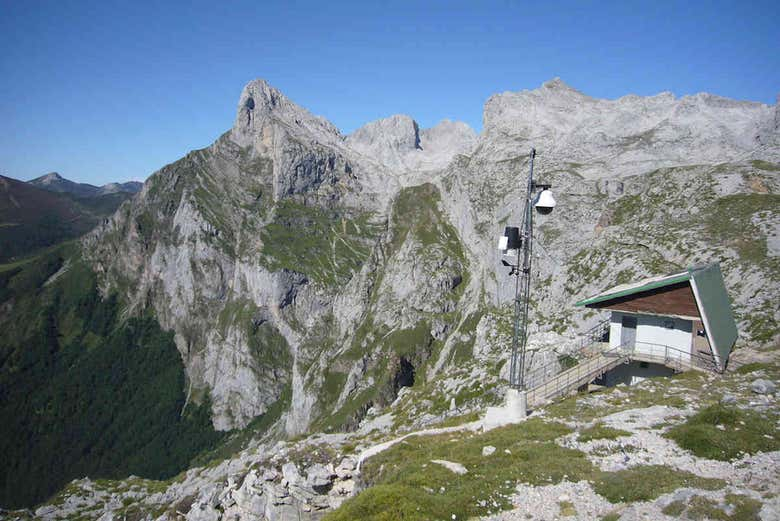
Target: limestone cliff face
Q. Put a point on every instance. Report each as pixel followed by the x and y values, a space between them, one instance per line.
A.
pixel 302 267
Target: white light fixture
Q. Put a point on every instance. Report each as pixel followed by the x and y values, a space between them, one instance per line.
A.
pixel 545 202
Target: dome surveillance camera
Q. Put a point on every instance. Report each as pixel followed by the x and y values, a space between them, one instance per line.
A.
pixel 545 202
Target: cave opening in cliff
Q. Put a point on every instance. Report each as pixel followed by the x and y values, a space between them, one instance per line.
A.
pixel 405 375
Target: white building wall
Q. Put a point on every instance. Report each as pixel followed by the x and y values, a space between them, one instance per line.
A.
pixel 653 332
pixel 614 329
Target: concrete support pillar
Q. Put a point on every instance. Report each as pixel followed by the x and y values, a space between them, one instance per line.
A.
pixel 516 404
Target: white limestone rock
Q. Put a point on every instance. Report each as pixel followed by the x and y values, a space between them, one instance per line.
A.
pixel 457 468
pixel 763 386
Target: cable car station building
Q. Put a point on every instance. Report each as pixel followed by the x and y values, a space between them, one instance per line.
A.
pixel 667 324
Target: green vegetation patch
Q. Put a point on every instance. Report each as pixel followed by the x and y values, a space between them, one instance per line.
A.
pixel 674 509
pixel 408 485
pixel 328 245
pixel 463 350
pixel 755 366
pixel 405 484
pixel 647 482
pixel 736 507
pixel 725 433
pixel 86 393
pixel 730 220
pixel 416 210
pixel 626 208
pixel 765 165
pixel 601 432
pixel 567 509
pixel 762 322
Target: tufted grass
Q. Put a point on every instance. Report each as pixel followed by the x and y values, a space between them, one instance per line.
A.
pixel 725 433
pixel 600 431
pixel 646 482
pixel 406 485
pixel 741 508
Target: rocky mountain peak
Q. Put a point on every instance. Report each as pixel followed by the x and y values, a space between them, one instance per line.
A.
pixel 449 130
pixel 54 182
pixel 261 105
pixel 399 132
pixel 400 144
pixel 557 84
pixel 51 177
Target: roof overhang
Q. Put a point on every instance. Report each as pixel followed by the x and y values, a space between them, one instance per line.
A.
pixel 650 313
pixel 642 286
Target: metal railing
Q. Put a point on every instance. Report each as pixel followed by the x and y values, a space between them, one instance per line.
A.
pixel 574 377
pixel 596 334
pixel 674 357
pixel 585 351
pixel 547 384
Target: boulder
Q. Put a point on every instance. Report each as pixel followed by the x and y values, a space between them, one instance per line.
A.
pixel 762 386
pixel 291 474
pixel 457 468
pixel 319 476
pixel 270 474
pixel 346 468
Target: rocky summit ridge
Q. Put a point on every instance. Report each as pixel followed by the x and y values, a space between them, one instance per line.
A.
pixel 632 134
pixel 322 283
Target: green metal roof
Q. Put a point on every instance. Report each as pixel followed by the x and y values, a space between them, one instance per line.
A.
pixel 711 299
pixel 715 308
pixel 637 287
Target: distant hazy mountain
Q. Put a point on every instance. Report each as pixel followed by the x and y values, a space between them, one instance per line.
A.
pixel 32 218
pixel 54 182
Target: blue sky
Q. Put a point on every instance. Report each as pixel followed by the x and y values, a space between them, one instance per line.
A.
pixel 109 91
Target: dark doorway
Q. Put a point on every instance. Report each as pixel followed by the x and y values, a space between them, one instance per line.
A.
pixel 628 332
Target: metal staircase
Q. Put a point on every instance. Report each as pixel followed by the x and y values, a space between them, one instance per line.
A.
pixel 575 377
pixel 594 358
